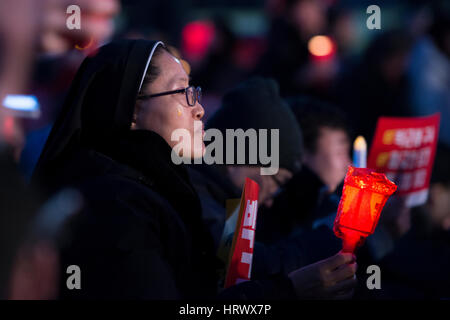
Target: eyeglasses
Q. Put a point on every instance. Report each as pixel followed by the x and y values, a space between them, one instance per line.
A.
pixel 193 95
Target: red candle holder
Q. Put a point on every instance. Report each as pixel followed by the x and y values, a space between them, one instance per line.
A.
pixel 363 197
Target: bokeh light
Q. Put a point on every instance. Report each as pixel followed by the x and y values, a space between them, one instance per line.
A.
pixel 197 37
pixel 321 46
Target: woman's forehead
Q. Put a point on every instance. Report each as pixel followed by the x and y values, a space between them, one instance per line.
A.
pixel 172 70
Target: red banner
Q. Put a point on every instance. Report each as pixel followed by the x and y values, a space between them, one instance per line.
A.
pixel 240 264
pixel 404 149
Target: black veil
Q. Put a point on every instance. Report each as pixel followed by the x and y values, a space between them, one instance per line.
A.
pixel 100 102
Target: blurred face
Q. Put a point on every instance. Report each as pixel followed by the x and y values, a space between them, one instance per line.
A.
pixel 439 206
pixel 309 17
pixel 96 20
pixel 331 159
pixel 268 184
pixel 165 114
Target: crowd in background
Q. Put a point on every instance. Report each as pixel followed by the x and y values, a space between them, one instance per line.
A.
pixel 309 64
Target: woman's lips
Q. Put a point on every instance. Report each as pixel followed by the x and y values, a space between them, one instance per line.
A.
pixel 200 133
pixel 203 129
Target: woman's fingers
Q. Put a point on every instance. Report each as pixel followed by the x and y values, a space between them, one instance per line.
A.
pixel 344 271
pixel 339 259
pixel 343 286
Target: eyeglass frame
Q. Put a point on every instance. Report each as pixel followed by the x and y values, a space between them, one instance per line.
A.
pixel 197 94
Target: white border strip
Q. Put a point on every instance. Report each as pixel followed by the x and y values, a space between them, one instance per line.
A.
pixel 148 62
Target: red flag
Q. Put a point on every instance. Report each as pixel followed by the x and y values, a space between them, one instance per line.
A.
pixel 240 263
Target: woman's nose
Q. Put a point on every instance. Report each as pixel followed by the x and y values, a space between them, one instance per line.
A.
pixel 198 111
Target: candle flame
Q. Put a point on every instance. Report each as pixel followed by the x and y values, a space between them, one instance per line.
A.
pixel 360 143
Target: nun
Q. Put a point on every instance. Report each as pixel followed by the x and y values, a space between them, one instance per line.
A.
pixel 140 233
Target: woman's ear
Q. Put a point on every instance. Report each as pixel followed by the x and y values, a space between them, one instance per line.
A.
pixel 133 121
pixel 135 115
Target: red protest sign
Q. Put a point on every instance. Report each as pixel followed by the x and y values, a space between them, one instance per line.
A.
pixel 240 264
pixel 404 149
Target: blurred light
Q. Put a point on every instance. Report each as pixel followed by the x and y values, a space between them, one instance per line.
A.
pixel 20 102
pixel 8 128
pixel 22 105
pixel 360 152
pixel 321 46
pixel 197 37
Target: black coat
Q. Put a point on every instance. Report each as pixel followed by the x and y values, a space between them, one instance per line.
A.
pixel 130 241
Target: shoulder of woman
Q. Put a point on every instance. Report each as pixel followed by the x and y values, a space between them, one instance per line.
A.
pixel 112 190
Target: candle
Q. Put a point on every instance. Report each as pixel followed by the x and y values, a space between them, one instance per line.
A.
pixel 360 152
pixel 363 197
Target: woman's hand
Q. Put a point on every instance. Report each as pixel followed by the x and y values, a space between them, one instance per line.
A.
pixel 332 278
